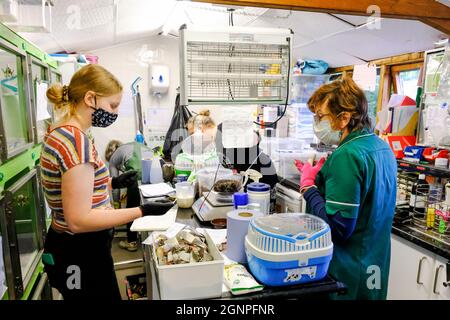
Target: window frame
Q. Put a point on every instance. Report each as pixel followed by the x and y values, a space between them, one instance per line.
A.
pixel 396 69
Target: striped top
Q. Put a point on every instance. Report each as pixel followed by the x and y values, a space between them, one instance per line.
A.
pixel 63 148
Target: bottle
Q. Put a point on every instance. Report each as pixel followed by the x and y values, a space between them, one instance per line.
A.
pixel 136 159
pixel 259 193
pixel 139 137
pixel 447 194
pixel 417 201
pixel 240 199
pixel 156 175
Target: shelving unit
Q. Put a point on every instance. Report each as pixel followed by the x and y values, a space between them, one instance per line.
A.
pixel 424 168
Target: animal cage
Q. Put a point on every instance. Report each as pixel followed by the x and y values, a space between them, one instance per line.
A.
pixel 235 65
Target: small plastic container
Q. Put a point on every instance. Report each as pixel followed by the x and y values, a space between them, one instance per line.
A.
pixel 205 177
pixel 185 194
pixel 259 193
pixel 240 199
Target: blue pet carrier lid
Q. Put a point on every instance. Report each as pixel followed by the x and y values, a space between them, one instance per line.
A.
pixel 258 187
pixel 291 226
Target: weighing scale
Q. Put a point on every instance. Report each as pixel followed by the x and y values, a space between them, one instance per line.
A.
pixel 216 206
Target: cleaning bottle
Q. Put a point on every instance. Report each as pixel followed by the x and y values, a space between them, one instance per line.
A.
pixel 136 159
pixel 156 173
pixel 418 197
pixel 139 137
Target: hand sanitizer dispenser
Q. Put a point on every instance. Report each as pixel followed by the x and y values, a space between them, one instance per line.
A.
pixel 159 79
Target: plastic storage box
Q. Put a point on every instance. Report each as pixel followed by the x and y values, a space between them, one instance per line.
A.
pixel 288 248
pixel 190 281
pixel 287 168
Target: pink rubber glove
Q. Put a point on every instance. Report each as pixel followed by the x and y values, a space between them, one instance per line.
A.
pixel 308 172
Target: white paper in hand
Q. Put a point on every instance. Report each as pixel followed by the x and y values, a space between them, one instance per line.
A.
pixel 155 223
pixel 156 190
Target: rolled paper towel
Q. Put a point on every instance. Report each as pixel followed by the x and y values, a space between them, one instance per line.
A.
pixel 237 228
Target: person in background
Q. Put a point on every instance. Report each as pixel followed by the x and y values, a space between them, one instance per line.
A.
pixel 118 156
pixel 198 148
pixel 202 124
pixel 77 250
pixel 242 159
pixel 354 190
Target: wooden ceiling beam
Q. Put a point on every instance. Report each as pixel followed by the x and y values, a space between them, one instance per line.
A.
pixel 442 25
pixel 407 58
pixel 430 12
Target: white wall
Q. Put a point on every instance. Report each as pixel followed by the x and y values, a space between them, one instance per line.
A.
pixel 124 62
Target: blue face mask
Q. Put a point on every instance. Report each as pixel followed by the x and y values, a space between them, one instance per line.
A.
pixel 326 134
pixel 102 118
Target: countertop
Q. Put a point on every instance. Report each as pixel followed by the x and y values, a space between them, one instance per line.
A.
pixel 425 239
pixel 320 288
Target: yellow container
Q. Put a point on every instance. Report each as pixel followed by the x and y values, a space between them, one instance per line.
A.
pixel 431 212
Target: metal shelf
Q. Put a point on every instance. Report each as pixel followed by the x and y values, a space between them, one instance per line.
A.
pixel 424 168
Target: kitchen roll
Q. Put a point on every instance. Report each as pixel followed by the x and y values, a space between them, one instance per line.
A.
pixel 237 228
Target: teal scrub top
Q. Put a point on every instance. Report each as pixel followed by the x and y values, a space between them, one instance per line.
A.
pixel 359 181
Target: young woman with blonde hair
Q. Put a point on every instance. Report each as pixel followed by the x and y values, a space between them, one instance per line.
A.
pixel 76 183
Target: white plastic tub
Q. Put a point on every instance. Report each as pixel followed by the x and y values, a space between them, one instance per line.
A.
pixel 190 281
pixel 287 168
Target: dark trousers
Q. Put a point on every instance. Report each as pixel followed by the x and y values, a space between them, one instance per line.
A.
pixel 133 200
pixel 83 266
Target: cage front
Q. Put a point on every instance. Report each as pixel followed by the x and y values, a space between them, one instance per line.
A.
pixel 440 222
pixel 405 182
pixel 220 72
pixel 426 202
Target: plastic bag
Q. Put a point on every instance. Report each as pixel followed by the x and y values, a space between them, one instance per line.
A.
pixel 177 131
pixel 239 280
pixel 312 66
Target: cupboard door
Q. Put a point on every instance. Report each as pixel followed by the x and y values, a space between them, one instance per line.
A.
pixel 411 272
pixel 14 117
pixel 440 291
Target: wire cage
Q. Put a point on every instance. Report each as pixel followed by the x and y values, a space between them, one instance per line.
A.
pixel 432 212
pixel 423 204
pixel 405 182
pixel 235 66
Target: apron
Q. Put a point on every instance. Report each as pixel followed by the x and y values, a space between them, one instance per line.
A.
pixel 80 266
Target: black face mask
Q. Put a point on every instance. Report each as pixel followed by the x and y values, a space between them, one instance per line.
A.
pixel 102 118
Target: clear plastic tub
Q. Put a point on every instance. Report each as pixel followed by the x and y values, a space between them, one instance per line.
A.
pixel 205 177
pixel 185 194
pixel 287 168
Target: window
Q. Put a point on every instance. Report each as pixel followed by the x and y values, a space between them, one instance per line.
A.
pixel 406 78
pixel 407 84
pixel 372 99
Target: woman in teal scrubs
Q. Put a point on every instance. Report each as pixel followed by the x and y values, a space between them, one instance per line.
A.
pixel 354 190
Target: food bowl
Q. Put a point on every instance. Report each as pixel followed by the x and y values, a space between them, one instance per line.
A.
pixel 219 223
